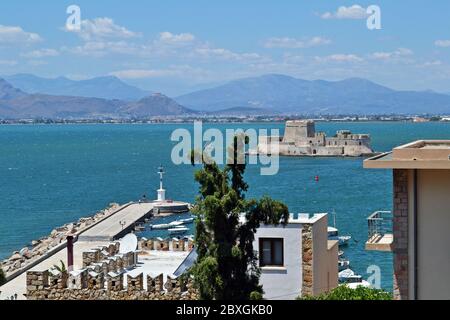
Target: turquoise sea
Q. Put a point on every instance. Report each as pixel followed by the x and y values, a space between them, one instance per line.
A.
pixel 54 174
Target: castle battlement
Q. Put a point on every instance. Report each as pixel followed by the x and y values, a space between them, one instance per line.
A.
pixel 301 139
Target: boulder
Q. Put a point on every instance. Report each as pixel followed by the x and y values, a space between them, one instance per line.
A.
pixel 17 264
pixel 15 257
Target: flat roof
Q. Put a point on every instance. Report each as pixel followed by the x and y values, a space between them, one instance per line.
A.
pixel 421 154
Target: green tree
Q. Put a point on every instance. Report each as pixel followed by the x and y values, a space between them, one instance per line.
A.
pixel 2 277
pixel 346 293
pixel 226 267
pixel 61 268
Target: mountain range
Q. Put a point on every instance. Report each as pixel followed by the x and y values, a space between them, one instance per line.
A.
pixel 15 103
pixel 284 94
pixel 108 87
pixel 28 96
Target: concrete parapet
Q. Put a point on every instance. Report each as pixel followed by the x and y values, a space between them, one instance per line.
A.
pixel 95 280
pixel 135 283
pixel 78 279
pixel 115 281
pixel 155 283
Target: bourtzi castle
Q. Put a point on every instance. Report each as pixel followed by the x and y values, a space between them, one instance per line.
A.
pixel 301 139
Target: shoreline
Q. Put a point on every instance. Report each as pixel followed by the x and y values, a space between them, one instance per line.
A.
pixel 36 249
pixel 142 123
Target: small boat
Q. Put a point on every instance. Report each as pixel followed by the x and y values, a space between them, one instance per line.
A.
pixel 343 264
pixel 160 226
pixel 175 223
pixel 139 228
pixel 340 253
pixel 351 279
pixel 333 234
pixel 187 221
pixel 178 230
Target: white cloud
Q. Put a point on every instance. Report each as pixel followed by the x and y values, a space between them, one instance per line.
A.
pixel 41 53
pixel 353 12
pixel 340 58
pixel 8 63
pixel 170 38
pixel 432 63
pixel 177 71
pixel 183 46
pixel 143 73
pixel 292 43
pixel 442 43
pixel 103 48
pixel 13 35
pixel 399 53
pixel 207 52
pixel 103 28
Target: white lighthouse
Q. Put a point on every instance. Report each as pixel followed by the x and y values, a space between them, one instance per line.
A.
pixel 161 191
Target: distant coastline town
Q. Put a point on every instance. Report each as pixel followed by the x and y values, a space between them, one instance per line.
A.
pixel 232 119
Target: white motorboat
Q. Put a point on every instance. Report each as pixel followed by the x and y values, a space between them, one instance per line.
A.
pixel 178 230
pixel 160 226
pixel 343 264
pixel 187 221
pixel 352 280
pixel 333 233
pixel 175 223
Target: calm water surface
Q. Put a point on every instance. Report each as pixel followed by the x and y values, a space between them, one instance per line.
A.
pixel 51 175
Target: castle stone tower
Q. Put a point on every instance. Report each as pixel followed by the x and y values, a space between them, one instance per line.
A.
pixel 299 129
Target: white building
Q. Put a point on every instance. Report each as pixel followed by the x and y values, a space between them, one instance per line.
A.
pixel 297 259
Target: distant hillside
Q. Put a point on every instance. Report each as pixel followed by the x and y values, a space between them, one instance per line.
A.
pixel 15 104
pixel 102 87
pixel 244 111
pixel 286 94
pixel 155 105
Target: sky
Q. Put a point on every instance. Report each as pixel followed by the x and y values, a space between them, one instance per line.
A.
pixel 175 47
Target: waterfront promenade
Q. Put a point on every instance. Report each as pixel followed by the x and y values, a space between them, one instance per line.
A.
pixel 101 233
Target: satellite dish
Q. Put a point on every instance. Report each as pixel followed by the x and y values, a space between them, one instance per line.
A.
pixel 23 251
pixel 128 243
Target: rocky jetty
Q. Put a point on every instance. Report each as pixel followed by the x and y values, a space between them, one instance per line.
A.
pixel 37 248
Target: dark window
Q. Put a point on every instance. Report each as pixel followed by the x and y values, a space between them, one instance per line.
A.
pixel 271 252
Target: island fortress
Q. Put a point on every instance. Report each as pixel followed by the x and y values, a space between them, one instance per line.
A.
pixel 301 139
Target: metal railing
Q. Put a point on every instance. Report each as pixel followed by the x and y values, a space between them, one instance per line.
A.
pixel 379 224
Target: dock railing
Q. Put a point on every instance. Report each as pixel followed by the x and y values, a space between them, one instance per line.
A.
pixel 379 224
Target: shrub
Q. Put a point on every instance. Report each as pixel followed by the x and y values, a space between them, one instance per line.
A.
pixel 345 293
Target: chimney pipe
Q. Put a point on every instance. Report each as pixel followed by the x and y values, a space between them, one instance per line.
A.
pixel 70 253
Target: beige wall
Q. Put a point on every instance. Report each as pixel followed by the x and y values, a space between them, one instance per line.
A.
pixel 433 234
pixel 324 260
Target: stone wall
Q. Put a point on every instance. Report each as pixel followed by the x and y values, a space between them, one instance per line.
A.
pixel 159 244
pixel 31 254
pixel 400 226
pixel 307 260
pixel 38 288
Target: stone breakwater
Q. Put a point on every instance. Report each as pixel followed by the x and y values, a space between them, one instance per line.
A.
pixel 38 248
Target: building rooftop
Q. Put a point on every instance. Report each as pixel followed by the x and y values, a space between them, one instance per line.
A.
pixel 421 154
pixel 300 218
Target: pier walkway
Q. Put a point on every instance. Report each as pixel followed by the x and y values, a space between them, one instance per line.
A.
pixel 118 224
pixel 112 227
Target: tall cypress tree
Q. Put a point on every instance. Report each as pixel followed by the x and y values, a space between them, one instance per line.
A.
pixel 226 267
